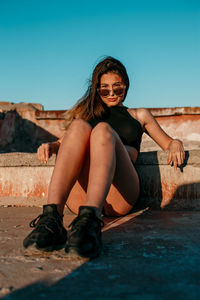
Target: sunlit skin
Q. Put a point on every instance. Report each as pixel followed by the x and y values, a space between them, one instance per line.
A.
pixel 109 163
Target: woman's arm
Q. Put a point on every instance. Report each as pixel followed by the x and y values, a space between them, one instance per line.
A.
pixel 174 146
pixel 46 150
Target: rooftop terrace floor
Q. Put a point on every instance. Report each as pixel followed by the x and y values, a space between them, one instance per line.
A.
pixel 146 255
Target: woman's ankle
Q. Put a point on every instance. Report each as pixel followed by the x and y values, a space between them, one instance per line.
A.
pixel 60 208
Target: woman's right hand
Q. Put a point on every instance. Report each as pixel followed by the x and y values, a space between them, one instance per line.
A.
pixel 44 152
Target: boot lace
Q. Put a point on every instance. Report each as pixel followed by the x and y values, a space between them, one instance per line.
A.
pixel 51 223
pixel 33 222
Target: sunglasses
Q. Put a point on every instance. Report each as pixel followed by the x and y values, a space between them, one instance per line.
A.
pixel 118 91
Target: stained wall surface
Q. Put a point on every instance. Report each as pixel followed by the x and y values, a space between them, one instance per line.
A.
pixel 23 127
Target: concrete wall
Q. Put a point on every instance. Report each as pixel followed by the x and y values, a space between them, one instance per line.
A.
pixel 24 181
pixel 21 131
pixel 184 127
pixel 23 127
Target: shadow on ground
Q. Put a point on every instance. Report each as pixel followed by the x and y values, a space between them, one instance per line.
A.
pixel 154 255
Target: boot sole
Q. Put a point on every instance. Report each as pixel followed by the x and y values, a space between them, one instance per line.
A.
pixel 74 252
pixel 33 250
pixel 54 254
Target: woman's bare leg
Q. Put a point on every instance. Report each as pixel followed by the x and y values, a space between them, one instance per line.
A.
pixel 68 163
pixel 102 165
pixel 109 162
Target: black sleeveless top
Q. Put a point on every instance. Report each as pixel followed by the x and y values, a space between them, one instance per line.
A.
pixel 128 128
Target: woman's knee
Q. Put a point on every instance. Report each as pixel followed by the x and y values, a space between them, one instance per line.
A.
pixel 79 126
pixel 103 131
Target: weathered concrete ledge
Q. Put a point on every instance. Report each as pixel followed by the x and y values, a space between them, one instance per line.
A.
pixel 25 126
pixel 24 180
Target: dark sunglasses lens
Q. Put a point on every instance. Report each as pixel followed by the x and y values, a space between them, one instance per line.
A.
pixel 118 91
pixel 104 92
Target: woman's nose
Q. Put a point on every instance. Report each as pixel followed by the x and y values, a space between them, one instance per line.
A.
pixel 111 92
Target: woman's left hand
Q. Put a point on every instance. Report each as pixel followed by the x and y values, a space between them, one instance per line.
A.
pixel 176 153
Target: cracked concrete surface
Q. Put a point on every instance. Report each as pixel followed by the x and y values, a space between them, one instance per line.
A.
pixel 146 255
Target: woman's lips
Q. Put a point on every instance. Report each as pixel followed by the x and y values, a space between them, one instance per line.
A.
pixel 112 99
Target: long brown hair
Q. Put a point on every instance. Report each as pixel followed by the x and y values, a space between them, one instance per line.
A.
pixel 91 105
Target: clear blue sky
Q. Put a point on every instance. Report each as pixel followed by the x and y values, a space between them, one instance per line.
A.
pixel 48 49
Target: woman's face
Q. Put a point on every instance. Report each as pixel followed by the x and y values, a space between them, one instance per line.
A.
pixel 112 82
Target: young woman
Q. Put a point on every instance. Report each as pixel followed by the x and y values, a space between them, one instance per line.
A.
pixel 98 149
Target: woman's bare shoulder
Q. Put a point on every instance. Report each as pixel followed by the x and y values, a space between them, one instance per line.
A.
pixel 140 114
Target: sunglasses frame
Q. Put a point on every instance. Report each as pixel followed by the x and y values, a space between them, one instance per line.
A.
pixel 123 88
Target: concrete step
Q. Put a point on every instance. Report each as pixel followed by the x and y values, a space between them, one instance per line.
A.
pixel 24 181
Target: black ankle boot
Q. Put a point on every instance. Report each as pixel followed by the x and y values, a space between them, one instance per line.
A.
pixel 84 238
pixel 49 233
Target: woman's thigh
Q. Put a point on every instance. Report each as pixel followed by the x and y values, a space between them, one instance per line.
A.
pixel 124 190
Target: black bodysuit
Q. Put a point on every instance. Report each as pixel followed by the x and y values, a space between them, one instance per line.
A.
pixel 128 128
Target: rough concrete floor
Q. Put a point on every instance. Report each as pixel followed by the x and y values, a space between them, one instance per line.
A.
pixel 149 255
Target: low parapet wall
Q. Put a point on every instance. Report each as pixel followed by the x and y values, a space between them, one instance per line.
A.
pixel 24 180
pixel 23 127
